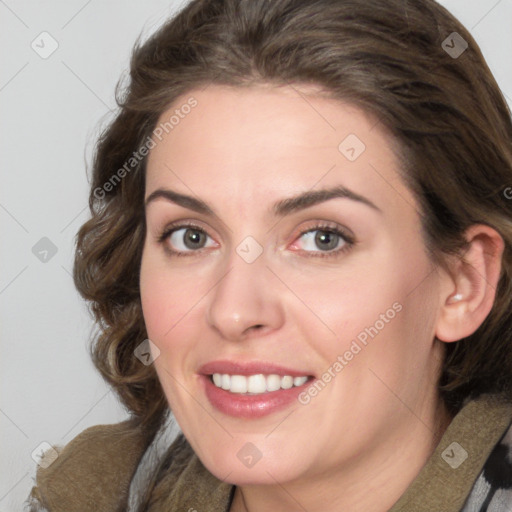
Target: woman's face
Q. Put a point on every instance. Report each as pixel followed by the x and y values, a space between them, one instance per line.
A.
pixel 252 290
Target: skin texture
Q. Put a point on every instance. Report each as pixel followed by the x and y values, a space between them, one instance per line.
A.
pixel 374 425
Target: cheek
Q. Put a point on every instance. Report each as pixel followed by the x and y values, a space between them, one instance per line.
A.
pixel 172 306
pixel 382 298
pixel 163 298
pixel 337 305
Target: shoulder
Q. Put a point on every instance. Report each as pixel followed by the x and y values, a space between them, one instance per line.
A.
pixel 463 456
pixel 492 490
pixel 92 472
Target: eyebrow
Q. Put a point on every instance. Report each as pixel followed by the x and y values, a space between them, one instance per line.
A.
pixel 279 209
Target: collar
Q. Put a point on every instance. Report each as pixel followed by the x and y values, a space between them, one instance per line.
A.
pixel 444 482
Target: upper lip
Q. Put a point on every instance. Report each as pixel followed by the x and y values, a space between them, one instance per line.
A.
pixel 249 368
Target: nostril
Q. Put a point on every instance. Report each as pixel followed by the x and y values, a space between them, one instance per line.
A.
pixel 256 327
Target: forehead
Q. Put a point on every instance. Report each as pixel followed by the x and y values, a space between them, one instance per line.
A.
pixel 223 142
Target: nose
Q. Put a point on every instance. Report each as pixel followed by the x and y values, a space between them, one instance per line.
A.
pixel 245 301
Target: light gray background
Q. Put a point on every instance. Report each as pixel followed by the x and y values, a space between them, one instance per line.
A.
pixel 51 111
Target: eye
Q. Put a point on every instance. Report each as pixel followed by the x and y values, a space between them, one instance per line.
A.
pixel 325 240
pixel 330 240
pixel 184 239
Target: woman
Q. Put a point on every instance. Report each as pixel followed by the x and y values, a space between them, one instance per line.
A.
pixel 300 245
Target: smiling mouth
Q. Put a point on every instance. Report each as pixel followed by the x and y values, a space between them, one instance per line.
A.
pixel 256 384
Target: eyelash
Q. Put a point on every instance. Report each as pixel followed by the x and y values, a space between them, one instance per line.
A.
pixel 326 227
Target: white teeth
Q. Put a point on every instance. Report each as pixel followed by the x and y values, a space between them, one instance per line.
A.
pixel 273 382
pixel 217 379
pixel 298 381
pixel 256 384
pixel 287 382
pixel 226 382
pixel 238 384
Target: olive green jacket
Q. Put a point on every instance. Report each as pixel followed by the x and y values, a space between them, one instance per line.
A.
pixel 105 468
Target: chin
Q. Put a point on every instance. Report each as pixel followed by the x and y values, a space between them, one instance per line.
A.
pixel 247 466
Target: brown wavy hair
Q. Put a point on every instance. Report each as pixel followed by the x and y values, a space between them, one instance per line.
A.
pixel 450 121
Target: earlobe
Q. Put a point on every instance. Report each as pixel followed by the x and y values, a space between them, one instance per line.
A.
pixel 469 294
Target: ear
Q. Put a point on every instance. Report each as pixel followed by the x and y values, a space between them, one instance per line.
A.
pixel 468 293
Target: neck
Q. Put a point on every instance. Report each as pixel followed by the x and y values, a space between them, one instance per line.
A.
pixel 388 470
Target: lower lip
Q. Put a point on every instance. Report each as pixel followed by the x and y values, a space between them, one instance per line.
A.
pixel 250 406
